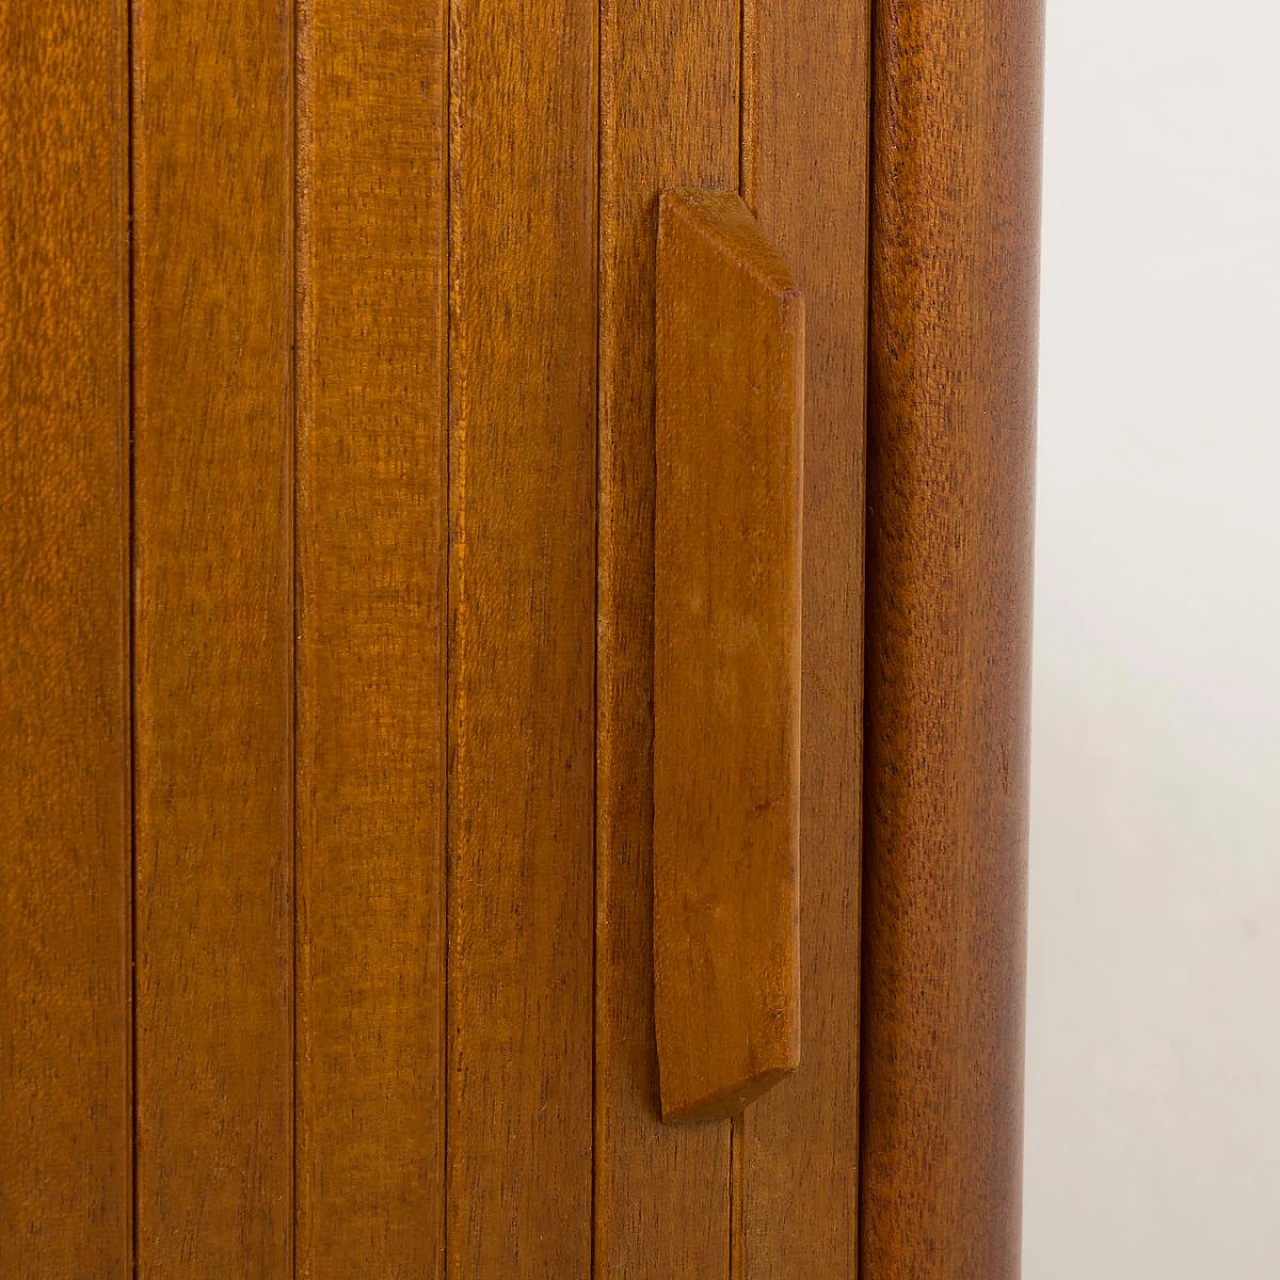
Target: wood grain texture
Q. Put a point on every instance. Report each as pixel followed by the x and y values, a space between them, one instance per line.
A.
pixel 668 116
pixel 522 401
pixel 954 232
pixel 727 562
pixel 213 623
pixel 65 1195
pixel 371 522
pixel 806 107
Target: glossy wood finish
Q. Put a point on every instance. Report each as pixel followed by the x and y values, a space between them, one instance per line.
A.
pixel 667 119
pixel 371 486
pixel 806 106
pixel 65 1194
pixel 213 627
pixel 522 478
pixel 727 560
pixel 952 398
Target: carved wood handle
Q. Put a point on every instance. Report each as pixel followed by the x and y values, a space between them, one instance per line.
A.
pixel 730 404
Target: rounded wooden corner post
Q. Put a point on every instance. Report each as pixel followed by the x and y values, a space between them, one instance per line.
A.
pixel 729 432
pixel 952 350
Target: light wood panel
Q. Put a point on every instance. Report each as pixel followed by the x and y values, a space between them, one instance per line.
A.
pixel 213 219
pixel 669 117
pixel 65 1195
pixel 522 401
pixel 372 478
pixel 805 166
pixel 954 234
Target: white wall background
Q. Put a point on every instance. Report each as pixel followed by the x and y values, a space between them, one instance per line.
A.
pixel 1153 1052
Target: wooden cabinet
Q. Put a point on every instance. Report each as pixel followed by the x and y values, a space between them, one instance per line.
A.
pixel 327 488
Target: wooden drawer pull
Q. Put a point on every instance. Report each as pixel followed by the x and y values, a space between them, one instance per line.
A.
pixel 730 403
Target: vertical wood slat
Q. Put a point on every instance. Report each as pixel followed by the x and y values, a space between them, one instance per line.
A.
pixel 65 1195
pixel 371 646
pixel 522 399
pixel 954 232
pixel 213 209
pixel 806 108
pixel 669 117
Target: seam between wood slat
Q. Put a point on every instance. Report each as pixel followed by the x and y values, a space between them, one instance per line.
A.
pixel 595 622
pixel 747 125
pixel 129 622
pixel 873 19
pixel 292 612
pixel 446 630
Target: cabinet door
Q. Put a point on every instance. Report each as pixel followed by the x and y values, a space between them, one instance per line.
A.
pixel 327 499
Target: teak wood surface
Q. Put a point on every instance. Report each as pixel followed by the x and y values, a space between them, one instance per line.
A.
pixel 212 613
pixel 66 1142
pixel 954 262
pixel 522 480
pixel 805 169
pixel 370 688
pixel 327 481
pixel 726 653
pixel 664 121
